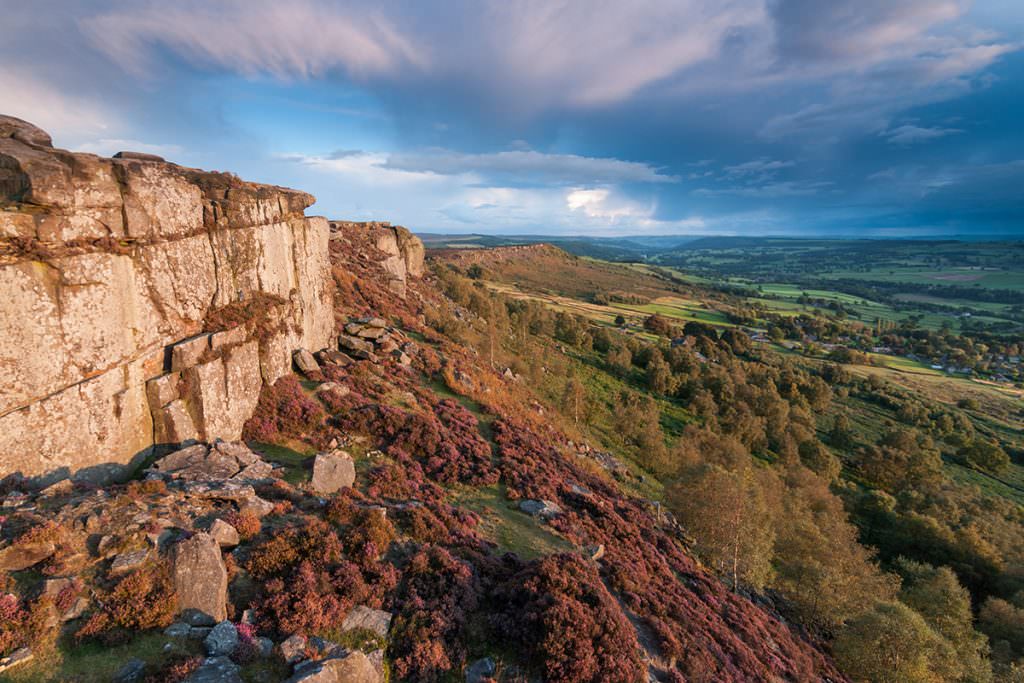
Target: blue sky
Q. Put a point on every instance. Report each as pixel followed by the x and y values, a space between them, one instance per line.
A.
pixel 752 117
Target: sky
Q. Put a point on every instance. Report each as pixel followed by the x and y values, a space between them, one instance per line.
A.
pixel 870 118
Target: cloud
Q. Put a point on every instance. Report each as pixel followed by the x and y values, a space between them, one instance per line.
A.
pixel 909 134
pixel 63 114
pixel 774 190
pixel 761 168
pixel 300 39
pixel 529 167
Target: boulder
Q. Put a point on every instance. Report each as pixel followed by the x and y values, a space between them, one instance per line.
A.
pixel 332 471
pixel 19 656
pixel 355 345
pixel 305 362
pixel 225 534
pixel 373 322
pixel 178 629
pixel 333 357
pixel 353 667
pixel 21 556
pixel 128 562
pixel 222 640
pixel 293 648
pixel 216 670
pixel 133 671
pixel 540 508
pixel 201 580
pixel 363 617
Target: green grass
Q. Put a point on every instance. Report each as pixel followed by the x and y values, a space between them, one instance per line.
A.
pixel 294 461
pixel 91 662
pixel 511 530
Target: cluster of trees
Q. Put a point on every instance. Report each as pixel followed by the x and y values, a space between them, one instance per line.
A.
pixel 780 498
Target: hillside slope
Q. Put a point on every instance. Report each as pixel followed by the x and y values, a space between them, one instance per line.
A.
pixel 422 507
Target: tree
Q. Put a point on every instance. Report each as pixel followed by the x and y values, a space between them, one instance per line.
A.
pixel 816 457
pixel 620 360
pixel 936 594
pixel 620 320
pixel 728 513
pixel 659 375
pixel 985 455
pixel 891 644
pixel 575 400
pixel 841 435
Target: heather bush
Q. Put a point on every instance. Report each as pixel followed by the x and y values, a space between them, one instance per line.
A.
pixel 314 540
pixel 247 524
pixel 437 595
pixel 142 600
pixel 285 411
pixel 23 623
pixel 558 611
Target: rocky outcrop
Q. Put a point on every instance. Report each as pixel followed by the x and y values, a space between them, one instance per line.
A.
pixel 403 251
pixel 142 302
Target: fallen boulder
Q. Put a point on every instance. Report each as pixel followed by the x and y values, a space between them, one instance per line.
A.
pixel 332 471
pixel 353 667
pixel 200 580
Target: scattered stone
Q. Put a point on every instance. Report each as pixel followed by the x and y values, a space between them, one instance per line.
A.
pixel 127 562
pixel 61 488
pixel 373 322
pixel 293 649
pixel 480 670
pixel 216 670
pixel 594 552
pixel 223 461
pixel 225 534
pixel 21 556
pixel 19 656
pixel 355 345
pixel 363 617
pixel 402 357
pixel 201 580
pixel 266 646
pixel 353 667
pixel 305 362
pixel 332 472
pixel 178 629
pixel 544 509
pixel 222 640
pixel 334 357
pixel 131 672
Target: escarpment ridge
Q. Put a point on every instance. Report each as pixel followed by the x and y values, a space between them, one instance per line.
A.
pixel 143 302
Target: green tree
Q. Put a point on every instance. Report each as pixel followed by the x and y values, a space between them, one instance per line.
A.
pixel 936 594
pixel 891 644
pixel 985 455
pixel 728 513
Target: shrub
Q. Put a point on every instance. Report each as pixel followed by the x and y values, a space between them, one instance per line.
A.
pixel 247 524
pixel 437 595
pixel 558 611
pixel 285 411
pixel 314 541
pixel 142 600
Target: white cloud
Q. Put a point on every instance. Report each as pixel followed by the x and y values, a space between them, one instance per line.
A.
pixel 910 134
pixel 529 166
pixel 299 39
pixel 66 116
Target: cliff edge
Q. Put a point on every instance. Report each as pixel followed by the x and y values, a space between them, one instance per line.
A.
pixel 143 302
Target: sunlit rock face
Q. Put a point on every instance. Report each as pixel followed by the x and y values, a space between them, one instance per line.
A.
pixel 142 302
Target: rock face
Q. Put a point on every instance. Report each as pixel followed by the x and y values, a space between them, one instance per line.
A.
pixel 201 580
pixel 143 302
pixel 403 251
